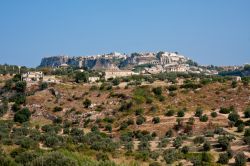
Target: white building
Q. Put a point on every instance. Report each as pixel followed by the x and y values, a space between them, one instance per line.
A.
pixel 32 76
pixel 153 70
pixel 118 73
pixel 50 79
pixel 177 68
pixel 94 79
pixel 169 58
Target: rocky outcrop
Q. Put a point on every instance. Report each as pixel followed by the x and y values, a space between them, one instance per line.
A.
pixel 114 60
pixel 101 64
pixel 90 63
pixel 54 61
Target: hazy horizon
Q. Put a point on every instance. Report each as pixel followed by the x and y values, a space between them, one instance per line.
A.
pixel 209 32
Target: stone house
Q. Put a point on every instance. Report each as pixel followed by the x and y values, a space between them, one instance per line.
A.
pixel 50 79
pixel 118 73
pixel 177 68
pixel 94 79
pixel 33 76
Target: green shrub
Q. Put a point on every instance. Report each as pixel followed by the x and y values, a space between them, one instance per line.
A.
pixel 51 128
pixel 247 113
pixel 149 100
pixel 185 149
pixel 20 86
pixel 142 155
pixel 26 142
pixel 163 143
pixel 26 157
pixel 156 120
pixel 53 159
pixel 191 85
pixel 144 145
pixel 172 88
pixel 206 157
pixel 22 115
pixel 214 114
pixel 140 120
pixel 116 81
pixel 81 77
pixel 123 125
pixel 230 153
pixel 233 116
pixel 4 107
pixel 170 156
pixel 191 121
pixel 8 85
pixel 161 98
pixel 169 133
pixel 206 146
pixel 240 159
pixel 125 106
pixel 247 132
pixel 247 140
pixel 219 130
pixel 170 113
pixel 239 122
pixel 43 85
pixel 240 127
pixel 57 109
pixel 108 128
pixel 226 110
pixel 198 112
pixel 95 128
pixel 139 111
pixel 87 103
pixel 130 121
pixel 153 109
pixel 181 113
pixel 102 157
pixel 141 95
pixel 15 107
pixel 18 98
pixel 199 140
pixel 177 142
pixel 157 91
pixel 224 142
pixel 234 84
pixel 154 155
pixel 129 146
pixel 51 141
pixel 7 161
pixel 204 118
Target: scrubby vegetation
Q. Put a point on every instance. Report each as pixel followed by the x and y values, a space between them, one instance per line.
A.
pixel 167 118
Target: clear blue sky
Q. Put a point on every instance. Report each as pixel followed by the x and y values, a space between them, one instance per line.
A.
pixel 209 31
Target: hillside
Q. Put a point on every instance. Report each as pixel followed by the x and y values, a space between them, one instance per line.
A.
pixel 189 120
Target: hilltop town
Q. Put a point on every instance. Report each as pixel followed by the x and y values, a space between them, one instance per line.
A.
pixel 147 63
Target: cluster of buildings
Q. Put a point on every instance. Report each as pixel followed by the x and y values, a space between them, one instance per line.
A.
pixel 38 76
pixel 118 73
pixel 163 62
pixel 160 58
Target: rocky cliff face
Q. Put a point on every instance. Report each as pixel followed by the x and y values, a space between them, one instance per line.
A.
pixel 97 64
pixel 111 61
pixel 54 61
pixel 104 64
